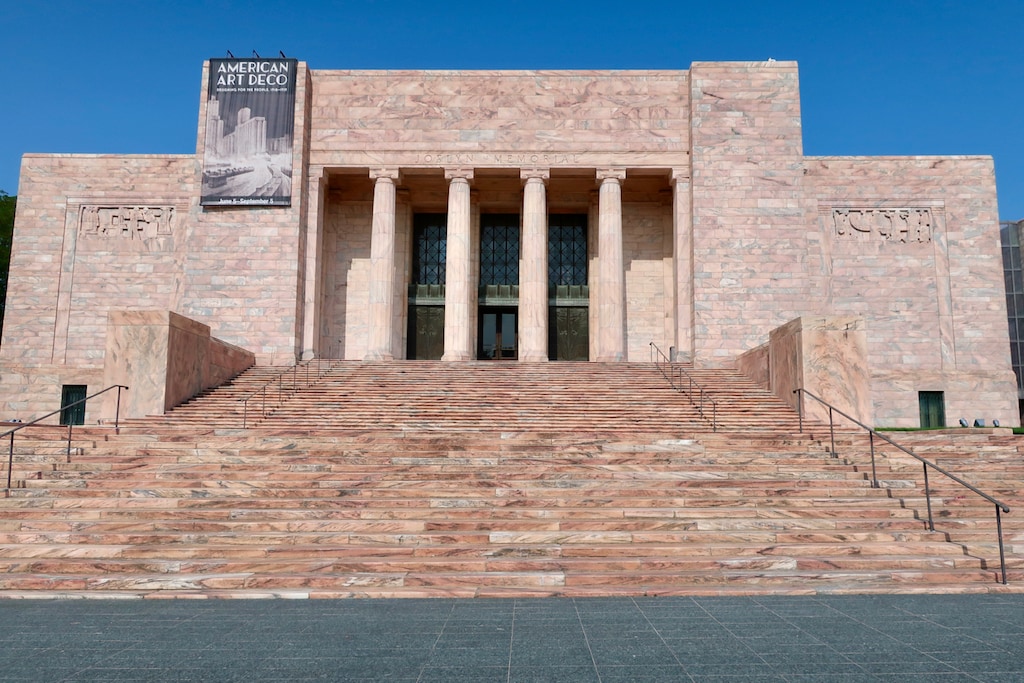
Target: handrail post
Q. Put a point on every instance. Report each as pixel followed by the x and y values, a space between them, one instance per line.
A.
pixel 874 473
pixel 800 407
pixel 69 441
pixel 245 410
pixel 1002 553
pixel 832 431
pixel 928 498
pixel 10 462
pixel 117 412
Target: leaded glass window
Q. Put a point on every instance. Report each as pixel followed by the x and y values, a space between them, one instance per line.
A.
pixel 567 249
pixel 499 249
pixel 430 244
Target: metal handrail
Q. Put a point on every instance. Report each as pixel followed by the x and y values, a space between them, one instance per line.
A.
pixel 999 505
pixel 676 373
pixel 11 432
pixel 279 378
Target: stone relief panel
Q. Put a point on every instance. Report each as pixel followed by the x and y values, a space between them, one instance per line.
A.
pixel 907 225
pixel 126 222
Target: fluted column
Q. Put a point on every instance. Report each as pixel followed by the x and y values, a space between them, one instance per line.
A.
pixel 533 275
pixel 458 335
pixel 611 289
pixel 381 311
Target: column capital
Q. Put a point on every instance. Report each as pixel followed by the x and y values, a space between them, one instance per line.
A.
pixel 387 173
pixel 611 174
pixel 543 174
pixel 458 172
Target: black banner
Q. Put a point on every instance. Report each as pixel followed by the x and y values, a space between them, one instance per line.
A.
pixel 250 126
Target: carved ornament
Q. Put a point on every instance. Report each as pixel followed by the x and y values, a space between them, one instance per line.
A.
pixel 126 222
pixel 896 225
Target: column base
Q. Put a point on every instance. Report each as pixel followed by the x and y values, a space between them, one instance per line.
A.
pixel 378 355
pixel 533 358
pixel 456 356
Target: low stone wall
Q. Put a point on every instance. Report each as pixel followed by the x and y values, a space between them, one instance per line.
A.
pixel 825 356
pixel 165 359
pixel 755 364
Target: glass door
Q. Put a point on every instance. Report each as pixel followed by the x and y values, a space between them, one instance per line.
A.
pixel 498 334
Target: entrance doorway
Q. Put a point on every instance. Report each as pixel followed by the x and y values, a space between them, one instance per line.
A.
pixel 498 334
pixel 498 314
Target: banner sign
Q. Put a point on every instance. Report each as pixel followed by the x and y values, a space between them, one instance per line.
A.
pixel 250 125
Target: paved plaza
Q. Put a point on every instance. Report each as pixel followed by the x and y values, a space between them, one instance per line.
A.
pixel 847 639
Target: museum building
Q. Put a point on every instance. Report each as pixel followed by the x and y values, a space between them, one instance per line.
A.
pixel 516 216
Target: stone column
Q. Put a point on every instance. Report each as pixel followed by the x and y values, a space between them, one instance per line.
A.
pixel 311 298
pixel 611 290
pixel 682 255
pixel 382 265
pixel 533 275
pixel 458 335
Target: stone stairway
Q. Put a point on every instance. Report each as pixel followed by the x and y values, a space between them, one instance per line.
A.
pixel 429 395
pixel 495 480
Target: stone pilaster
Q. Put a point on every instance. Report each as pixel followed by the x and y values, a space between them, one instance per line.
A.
pixel 458 333
pixel 611 310
pixel 533 275
pixel 313 264
pixel 381 311
pixel 682 257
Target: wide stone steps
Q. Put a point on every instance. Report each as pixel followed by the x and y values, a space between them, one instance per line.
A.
pixel 432 479
pixel 533 396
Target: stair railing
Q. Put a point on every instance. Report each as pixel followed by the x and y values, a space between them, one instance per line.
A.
pixel 683 382
pixel 81 401
pixel 279 379
pixel 872 435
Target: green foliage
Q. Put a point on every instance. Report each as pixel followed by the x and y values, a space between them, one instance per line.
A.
pixel 7 203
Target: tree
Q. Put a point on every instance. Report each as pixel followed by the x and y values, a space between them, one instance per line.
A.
pixel 7 203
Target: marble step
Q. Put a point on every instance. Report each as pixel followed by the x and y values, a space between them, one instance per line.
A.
pixel 553 565
pixel 509 584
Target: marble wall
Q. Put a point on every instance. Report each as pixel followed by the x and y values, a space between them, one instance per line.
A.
pixel 826 357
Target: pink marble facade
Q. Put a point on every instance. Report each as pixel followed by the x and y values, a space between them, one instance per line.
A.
pixel 707 229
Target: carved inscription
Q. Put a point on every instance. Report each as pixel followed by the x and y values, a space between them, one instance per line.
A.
pixel 126 222
pixel 897 225
pixel 496 158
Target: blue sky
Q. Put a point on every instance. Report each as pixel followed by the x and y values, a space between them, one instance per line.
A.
pixel 898 77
